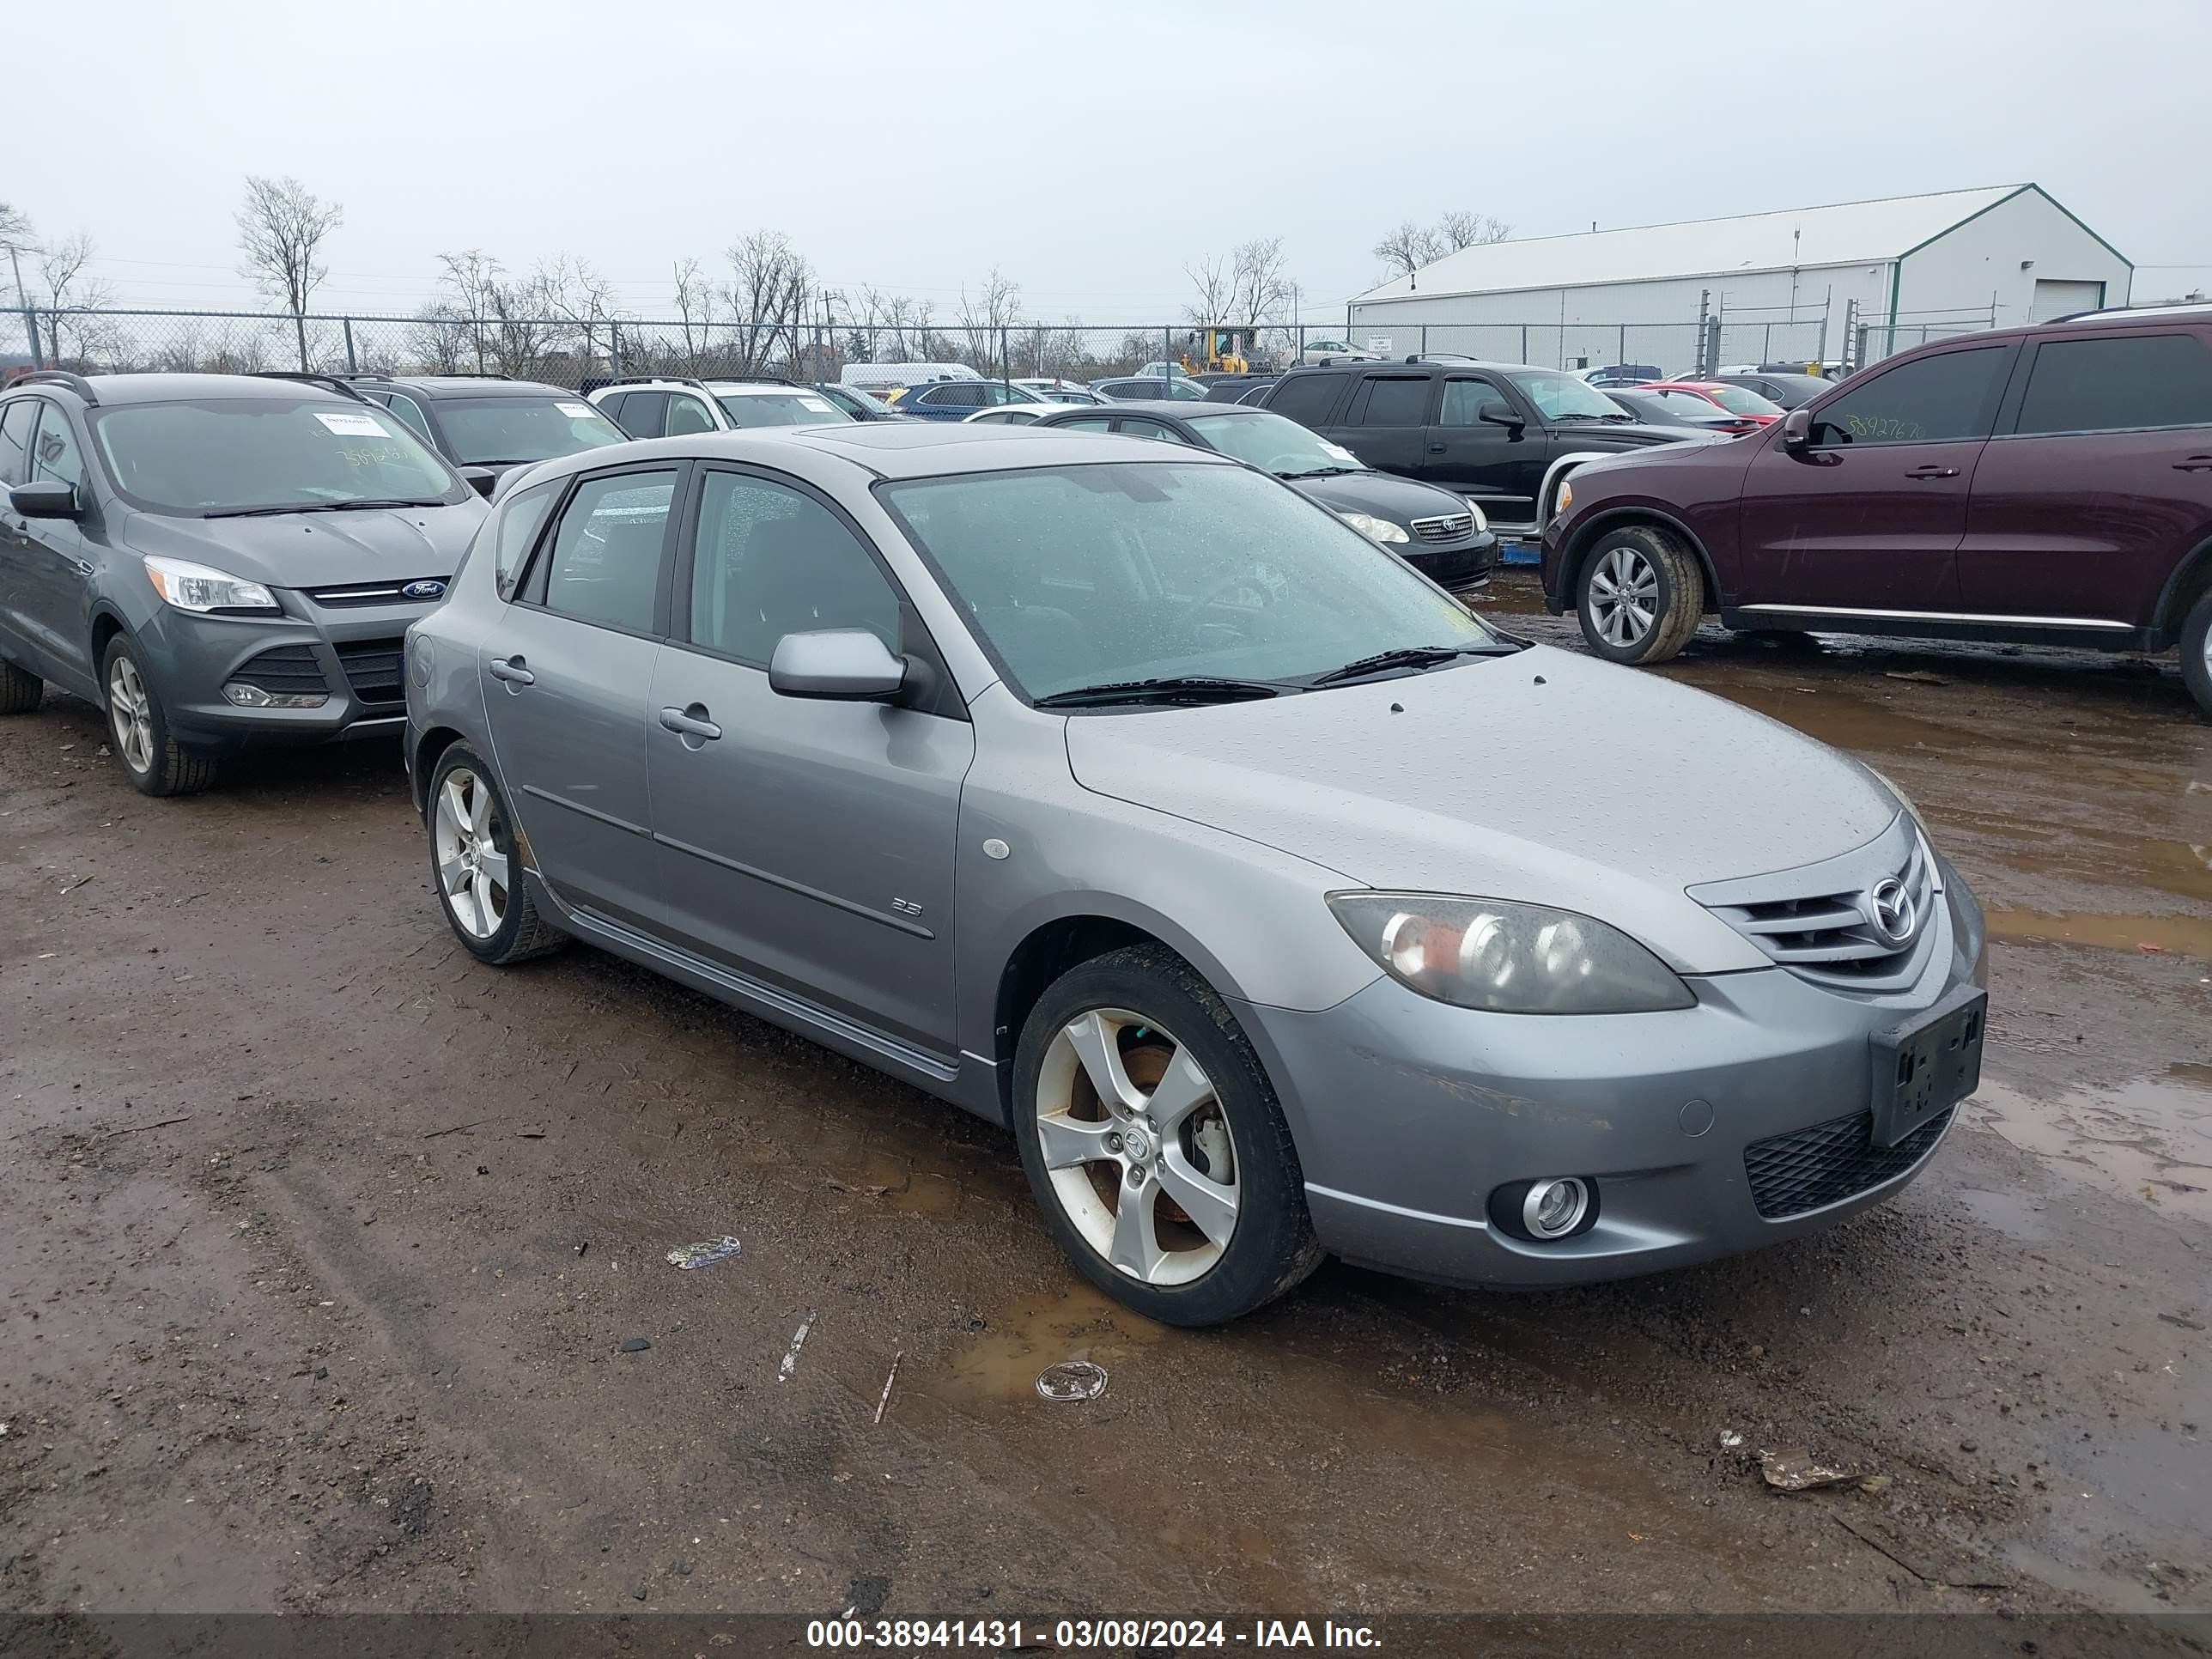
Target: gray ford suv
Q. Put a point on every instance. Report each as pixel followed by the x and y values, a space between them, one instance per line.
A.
pixel 1124 796
pixel 217 559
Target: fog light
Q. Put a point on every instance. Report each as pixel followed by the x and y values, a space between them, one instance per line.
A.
pixel 1555 1208
pixel 253 697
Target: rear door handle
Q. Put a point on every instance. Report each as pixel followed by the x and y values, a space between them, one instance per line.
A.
pixel 1933 472
pixel 1435 449
pixel 2195 463
pixel 511 670
pixel 690 722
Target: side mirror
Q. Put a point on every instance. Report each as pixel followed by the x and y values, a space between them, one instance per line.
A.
pixel 839 664
pixel 1797 431
pixel 49 498
pixel 482 479
pixel 1498 413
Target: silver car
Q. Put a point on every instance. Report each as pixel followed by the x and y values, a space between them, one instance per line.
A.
pixel 1116 793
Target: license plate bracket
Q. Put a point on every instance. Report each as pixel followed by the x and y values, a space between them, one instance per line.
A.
pixel 1927 1064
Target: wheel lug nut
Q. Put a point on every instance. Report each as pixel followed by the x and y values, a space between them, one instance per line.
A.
pixel 1113 1143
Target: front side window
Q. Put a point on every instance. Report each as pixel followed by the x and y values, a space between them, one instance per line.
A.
pixel 1464 399
pixel 1133 426
pixel 54 453
pixel 520 516
pixel 1939 399
pixel 410 411
pixel 688 415
pixel 2118 383
pixel 605 562
pixel 218 456
pixel 508 431
pixel 1079 576
pixel 1395 400
pixel 1087 423
pixel 16 419
pixel 768 560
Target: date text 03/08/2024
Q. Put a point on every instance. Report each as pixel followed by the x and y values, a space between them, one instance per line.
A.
pixel 1004 1635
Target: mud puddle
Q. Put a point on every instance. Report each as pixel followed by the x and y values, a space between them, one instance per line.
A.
pixel 2189 936
pixel 2150 1139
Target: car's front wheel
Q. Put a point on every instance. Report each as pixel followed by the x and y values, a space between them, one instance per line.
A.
pixel 476 866
pixel 1154 1144
pixel 1639 594
pixel 2196 652
pixel 138 728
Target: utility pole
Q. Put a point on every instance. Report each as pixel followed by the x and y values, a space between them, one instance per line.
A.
pixel 24 300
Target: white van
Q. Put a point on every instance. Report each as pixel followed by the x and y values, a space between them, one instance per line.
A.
pixel 889 377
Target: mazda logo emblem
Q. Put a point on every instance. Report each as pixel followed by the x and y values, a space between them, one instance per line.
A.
pixel 1890 909
pixel 426 590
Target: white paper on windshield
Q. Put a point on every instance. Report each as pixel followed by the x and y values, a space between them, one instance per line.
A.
pixel 353 426
pixel 576 411
pixel 1339 452
pixel 819 405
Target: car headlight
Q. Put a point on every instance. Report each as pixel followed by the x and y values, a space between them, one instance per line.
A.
pixel 1374 529
pixel 1481 520
pixel 196 588
pixel 1565 498
pixel 1507 957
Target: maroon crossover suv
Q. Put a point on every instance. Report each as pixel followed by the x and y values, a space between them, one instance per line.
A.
pixel 2050 484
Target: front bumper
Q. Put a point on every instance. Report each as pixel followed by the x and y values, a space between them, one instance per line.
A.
pixel 1465 564
pixel 354 656
pixel 1409 1113
pixel 1550 546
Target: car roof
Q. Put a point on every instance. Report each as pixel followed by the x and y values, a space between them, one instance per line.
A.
pixel 755 388
pixel 1338 366
pixel 466 385
pixel 162 388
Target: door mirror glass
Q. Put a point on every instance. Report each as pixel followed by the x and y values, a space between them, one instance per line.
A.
pixel 50 498
pixel 1796 429
pixel 1497 412
pixel 839 664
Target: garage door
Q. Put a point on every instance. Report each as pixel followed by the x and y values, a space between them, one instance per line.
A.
pixel 2055 299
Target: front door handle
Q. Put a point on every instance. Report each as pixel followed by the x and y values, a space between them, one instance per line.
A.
pixel 512 670
pixel 690 722
pixel 1933 472
pixel 1435 449
pixel 2195 463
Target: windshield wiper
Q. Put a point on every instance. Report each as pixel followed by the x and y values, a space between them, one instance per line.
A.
pixel 308 507
pixel 1414 656
pixel 1173 687
pixel 1320 472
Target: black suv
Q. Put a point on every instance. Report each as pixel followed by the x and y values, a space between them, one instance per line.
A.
pixel 1502 435
pixel 485 424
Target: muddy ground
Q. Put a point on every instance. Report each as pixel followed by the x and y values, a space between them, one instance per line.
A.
pixel 330 1255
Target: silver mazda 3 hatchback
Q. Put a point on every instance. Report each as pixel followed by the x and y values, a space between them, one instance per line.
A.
pixel 1119 794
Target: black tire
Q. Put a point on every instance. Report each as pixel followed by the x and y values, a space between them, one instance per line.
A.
pixel 2196 652
pixel 19 690
pixel 1270 1247
pixel 153 760
pixel 1659 575
pixel 521 932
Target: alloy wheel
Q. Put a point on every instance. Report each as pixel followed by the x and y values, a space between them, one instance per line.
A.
pixel 130 712
pixel 473 872
pixel 1624 593
pixel 1132 1134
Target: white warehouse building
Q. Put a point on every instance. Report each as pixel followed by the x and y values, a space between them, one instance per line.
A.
pixel 1797 285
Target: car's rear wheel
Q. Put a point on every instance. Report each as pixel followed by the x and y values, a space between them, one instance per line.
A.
pixel 1154 1144
pixel 19 690
pixel 138 729
pixel 2196 652
pixel 1640 595
pixel 476 866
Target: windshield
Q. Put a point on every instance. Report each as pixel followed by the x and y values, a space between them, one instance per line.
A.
pixel 489 431
pixel 1272 444
pixel 873 404
pixel 793 408
pixel 1088 575
pixel 1743 400
pixel 1562 396
pixel 225 454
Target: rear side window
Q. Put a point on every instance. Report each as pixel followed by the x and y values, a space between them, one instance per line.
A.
pixel 2130 381
pixel 1931 400
pixel 15 440
pixel 605 563
pixel 1392 400
pixel 1308 399
pixel 643 414
pixel 54 452
pixel 520 518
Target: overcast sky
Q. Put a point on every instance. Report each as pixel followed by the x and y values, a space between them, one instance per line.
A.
pixel 1088 148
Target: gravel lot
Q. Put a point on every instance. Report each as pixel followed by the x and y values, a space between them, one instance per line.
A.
pixel 330 1255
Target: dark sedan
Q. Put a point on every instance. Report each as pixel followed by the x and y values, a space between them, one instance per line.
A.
pixel 1675 408
pixel 1441 535
pixel 1791 391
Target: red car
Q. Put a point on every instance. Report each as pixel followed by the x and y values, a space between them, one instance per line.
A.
pixel 1751 410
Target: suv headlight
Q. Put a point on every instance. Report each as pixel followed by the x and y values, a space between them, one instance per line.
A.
pixel 1507 958
pixel 1565 498
pixel 196 588
pixel 1374 529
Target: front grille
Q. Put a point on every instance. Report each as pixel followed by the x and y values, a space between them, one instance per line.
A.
pixel 1809 1169
pixel 1444 527
pixel 1821 921
pixel 288 671
pixel 359 593
pixel 372 668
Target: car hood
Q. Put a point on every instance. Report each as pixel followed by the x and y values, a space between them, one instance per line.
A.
pixel 1593 436
pixel 1387 497
pixel 1547 777
pixel 315 550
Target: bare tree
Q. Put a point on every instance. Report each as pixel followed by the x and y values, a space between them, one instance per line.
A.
pixel 996 306
pixel 474 278
pixel 695 309
pixel 438 337
pixel 16 236
pixel 1462 227
pixel 1215 283
pixel 71 297
pixel 571 289
pixel 1410 246
pixel 770 284
pixel 281 228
